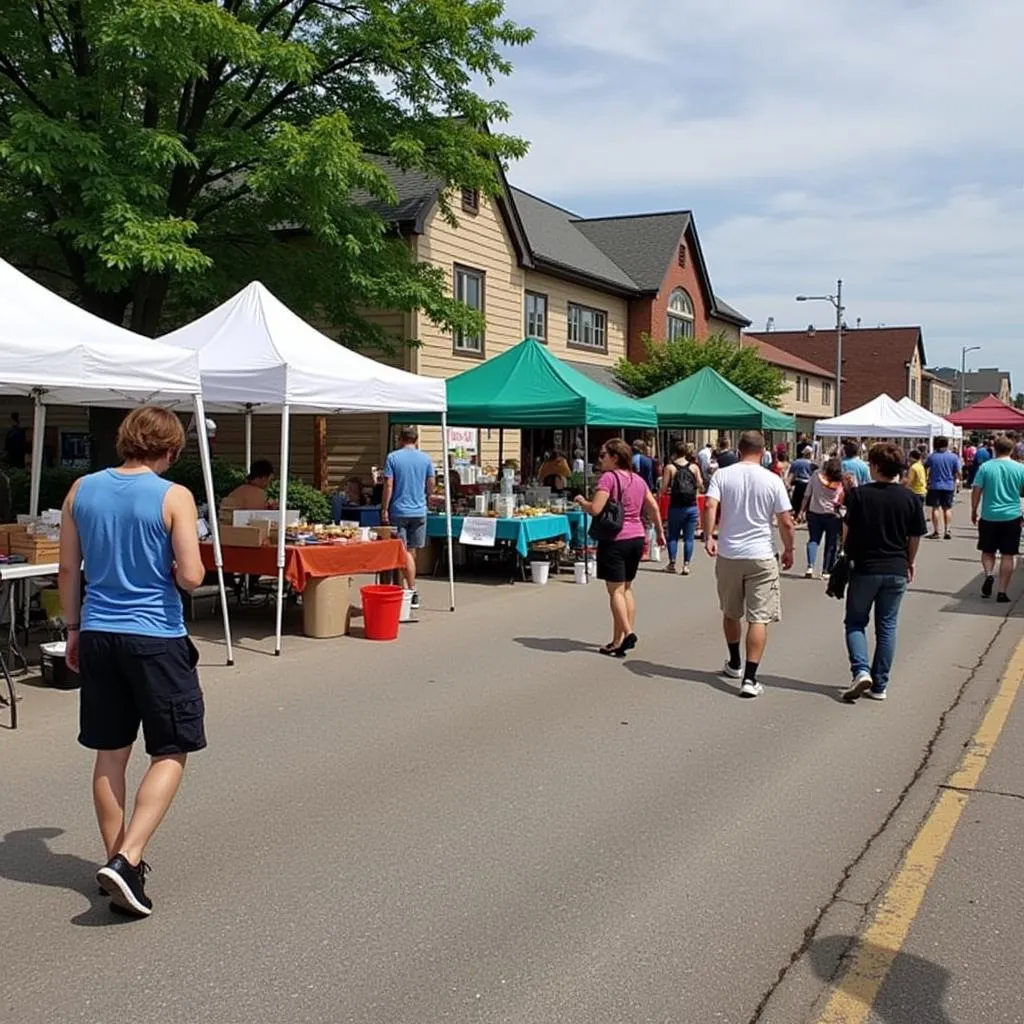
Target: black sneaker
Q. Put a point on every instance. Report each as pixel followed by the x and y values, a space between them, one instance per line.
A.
pixel 126 885
pixel 987 586
pixel 947 536
pixel 1002 598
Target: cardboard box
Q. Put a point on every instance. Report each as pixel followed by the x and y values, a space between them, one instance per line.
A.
pixel 243 536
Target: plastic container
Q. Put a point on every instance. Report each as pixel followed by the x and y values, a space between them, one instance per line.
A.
pixel 325 607
pixel 579 572
pixel 539 572
pixel 54 668
pixel 382 611
pixel 406 615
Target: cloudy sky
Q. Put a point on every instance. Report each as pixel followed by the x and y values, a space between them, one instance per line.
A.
pixel 881 141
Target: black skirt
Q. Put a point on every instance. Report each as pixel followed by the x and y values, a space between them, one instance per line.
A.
pixel 619 560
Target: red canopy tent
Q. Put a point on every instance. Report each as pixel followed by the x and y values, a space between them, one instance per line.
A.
pixel 989 414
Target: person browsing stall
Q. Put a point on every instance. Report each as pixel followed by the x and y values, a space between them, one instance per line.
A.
pixel 408 483
pixel 618 559
pixel 136 535
pixel 252 495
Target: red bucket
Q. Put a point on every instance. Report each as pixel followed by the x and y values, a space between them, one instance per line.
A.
pixel 382 609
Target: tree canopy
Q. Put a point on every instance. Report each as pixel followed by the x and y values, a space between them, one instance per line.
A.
pixel 157 155
pixel 671 361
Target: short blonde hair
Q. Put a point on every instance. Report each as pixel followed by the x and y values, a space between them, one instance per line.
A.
pixel 149 432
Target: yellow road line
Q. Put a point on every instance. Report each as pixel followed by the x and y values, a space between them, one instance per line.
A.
pixel 855 992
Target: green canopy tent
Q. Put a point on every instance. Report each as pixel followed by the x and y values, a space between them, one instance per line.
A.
pixel 527 386
pixel 706 400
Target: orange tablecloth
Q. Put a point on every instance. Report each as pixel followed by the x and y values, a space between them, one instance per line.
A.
pixel 315 561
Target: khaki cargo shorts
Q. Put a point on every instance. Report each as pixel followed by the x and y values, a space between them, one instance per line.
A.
pixel 748 588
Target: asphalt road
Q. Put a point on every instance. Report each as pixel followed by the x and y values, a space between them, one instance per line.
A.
pixel 487 822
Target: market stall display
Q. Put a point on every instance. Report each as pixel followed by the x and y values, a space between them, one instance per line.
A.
pixel 521 531
pixel 881 417
pixel 258 357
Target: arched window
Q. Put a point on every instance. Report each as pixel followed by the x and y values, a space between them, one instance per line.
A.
pixel 680 316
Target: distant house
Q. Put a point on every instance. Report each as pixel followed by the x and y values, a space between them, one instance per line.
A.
pixel 875 359
pixel 977 384
pixel 810 393
pixel 937 393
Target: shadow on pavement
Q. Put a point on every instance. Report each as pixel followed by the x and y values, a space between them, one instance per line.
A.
pixel 913 989
pixel 650 670
pixel 26 857
pixel 968 600
pixel 555 645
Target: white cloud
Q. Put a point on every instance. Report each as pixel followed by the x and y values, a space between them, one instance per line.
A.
pixel 879 140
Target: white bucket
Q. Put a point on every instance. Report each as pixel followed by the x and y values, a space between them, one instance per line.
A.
pixel 654 555
pixel 592 569
pixel 539 572
pixel 579 572
pixel 406 613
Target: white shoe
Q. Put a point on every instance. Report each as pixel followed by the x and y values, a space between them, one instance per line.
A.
pixel 877 695
pixel 732 673
pixel 861 683
pixel 824 577
pixel 751 688
pixel 809 573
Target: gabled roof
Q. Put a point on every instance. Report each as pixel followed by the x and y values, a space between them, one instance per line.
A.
pixel 603 375
pixel 988 380
pixel 555 238
pixel 780 357
pixel 417 192
pixel 724 311
pixel 642 244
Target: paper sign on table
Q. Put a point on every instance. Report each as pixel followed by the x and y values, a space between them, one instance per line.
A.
pixel 479 532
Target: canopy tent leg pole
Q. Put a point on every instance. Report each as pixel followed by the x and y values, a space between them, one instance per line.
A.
pixel 501 448
pixel 248 436
pixel 218 555
pixel 38 430
pixel 586 494
pixel 281 509
pixel 448 516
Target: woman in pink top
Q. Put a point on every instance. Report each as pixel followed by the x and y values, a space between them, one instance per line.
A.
pixel 619 559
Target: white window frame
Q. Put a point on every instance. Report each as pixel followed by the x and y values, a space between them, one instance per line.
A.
pixel 464 344
pixel 586 328
pixel 531 327
pixel 679 318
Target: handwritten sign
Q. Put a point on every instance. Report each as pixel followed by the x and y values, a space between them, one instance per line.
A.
pixel 479 532
pixel 463 438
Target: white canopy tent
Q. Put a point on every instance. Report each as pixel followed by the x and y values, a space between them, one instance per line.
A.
pixel 59 354
pixel 943 428
pixel 881 417
pixel 257 356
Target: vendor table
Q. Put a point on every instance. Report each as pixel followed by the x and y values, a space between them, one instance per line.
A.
pixel 521 531
pixel 9 575
pixel 304 562
pixel 364 515
pixel 580 523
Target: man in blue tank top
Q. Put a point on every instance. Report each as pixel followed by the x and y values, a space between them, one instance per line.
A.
pixel 136 535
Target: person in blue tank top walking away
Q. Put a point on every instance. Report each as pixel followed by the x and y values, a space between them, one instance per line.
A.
pixel 136 534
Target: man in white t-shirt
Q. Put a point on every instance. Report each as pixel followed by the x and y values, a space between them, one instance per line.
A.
pixel 751 499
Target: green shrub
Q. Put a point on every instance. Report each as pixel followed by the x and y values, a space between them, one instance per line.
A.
pixel 314 506
pixel 54 485
pixel 189 473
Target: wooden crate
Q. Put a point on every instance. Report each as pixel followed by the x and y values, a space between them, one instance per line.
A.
pixel 7 531
pixel 35 550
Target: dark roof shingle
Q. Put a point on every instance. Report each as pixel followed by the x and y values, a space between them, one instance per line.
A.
pixel 642 245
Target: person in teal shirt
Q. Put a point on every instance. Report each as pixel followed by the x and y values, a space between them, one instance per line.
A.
pixel 996 494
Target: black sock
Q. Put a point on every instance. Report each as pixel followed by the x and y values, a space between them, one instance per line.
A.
pixel 750 672
pixel 734 655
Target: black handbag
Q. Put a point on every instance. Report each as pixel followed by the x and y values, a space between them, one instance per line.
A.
pixel 608 523
pixel 839 578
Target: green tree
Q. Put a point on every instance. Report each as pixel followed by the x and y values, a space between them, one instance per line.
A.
pixel 1018 402
pixel 156 155
pixel 671 361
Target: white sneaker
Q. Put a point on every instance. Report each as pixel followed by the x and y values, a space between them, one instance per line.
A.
pixel 861 683
pixel 732 673
pixel 877 695
pixel 809 573
pixel 751 688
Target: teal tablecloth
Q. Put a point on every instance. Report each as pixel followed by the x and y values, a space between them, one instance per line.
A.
pixel 580 523
pixel 522 531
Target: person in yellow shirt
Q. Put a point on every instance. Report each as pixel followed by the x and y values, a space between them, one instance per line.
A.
pixel 917 478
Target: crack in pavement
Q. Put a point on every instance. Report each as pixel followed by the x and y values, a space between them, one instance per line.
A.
pixel 811 931
pixel 985 792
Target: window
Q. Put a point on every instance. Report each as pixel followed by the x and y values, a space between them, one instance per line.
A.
pixel 587 327
pixel 471 200
pixel 680 316
pixel 913 389
pixel 826 393
pixel 535 316
pixel 469 288
pixel 803 388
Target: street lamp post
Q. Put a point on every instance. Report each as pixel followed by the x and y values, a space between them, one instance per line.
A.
pixel 963 371
pixel 837 301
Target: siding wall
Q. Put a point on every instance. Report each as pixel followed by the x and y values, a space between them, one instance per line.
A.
pixel 58 417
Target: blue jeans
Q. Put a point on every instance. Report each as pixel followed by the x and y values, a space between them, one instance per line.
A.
pixel 682 521
pixel 885 595
pixel 822 526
